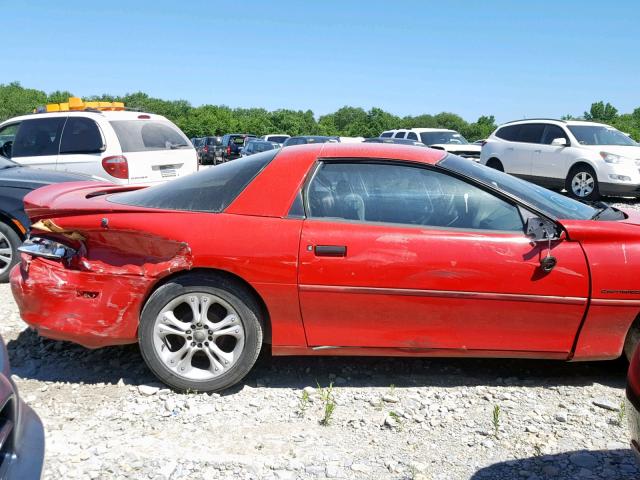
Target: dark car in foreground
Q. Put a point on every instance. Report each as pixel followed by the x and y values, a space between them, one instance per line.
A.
pixel 15 182
pixel 633 402
pixel 21 431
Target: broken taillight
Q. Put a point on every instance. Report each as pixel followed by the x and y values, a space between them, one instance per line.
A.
pixel 116 166
pixel 43 247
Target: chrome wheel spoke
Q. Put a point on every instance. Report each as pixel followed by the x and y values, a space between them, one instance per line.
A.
pixel 170 322
pixel 233 331
pixel 214 365
pixel 227 321
pixel 225 357
pixel 184 366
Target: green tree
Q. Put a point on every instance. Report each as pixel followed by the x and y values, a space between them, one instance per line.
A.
pixel 601 112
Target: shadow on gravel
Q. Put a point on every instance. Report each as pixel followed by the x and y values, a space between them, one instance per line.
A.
pixel 48 360
pixel 581 464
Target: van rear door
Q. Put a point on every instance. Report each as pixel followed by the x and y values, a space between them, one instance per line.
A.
pixel 156 150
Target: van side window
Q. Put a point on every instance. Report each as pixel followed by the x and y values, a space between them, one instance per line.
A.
pixel 81 135
pixel 38 137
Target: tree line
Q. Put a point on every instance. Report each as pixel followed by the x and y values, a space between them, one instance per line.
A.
pixel 347 121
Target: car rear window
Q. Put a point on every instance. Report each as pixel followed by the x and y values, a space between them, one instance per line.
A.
pixel 210 190
pixel 148 135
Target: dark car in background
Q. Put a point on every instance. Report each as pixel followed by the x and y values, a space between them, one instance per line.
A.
pixel 304 139
pixel 210 150
pixel 21 431
pixel 257 146
pixel 232 143
pixel 633 402
pixel 397 141
pixel 15 182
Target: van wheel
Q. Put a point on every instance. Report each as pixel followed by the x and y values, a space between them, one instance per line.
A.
pixel 582 183
pixel 495 164
pixel 9 243
pixel 200 333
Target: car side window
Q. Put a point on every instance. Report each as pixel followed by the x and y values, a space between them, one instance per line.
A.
pixel 81 135
pixel 7 136
pixel 552 132
pixel 412 136
pixel 386 134
pixel 38 137
pixel 509 133
pixel 409 195
pixel 399 135
pixel 531 132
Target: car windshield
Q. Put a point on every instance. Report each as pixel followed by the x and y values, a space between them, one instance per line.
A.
pixel 552 204
pixel 210 190
pixel 600 135
pixel 436 138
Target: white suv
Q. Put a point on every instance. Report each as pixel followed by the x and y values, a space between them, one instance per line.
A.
pixel 115 145
pixel 588 159
pixel 439 138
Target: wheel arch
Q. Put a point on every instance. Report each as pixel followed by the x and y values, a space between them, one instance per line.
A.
pixel 583 162
pixel 213 272
pixel 9 221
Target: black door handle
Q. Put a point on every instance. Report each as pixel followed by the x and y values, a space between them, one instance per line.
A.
pixel 330 250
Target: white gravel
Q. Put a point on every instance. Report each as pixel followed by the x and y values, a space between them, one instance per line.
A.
pixel 107 418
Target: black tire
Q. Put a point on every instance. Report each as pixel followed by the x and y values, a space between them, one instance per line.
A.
pixel 582 173
pixel 632 341
pixel 8 239
pixel 495 164
pixel 233 293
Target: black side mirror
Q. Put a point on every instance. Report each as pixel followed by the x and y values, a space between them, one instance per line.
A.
pixel 543 230
pixel 7 149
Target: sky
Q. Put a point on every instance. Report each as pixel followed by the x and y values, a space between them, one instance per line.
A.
pixel 510 59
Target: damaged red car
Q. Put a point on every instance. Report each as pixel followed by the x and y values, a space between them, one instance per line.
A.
pixel 332 249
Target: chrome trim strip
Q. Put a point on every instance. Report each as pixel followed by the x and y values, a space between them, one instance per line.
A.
pixel 513 297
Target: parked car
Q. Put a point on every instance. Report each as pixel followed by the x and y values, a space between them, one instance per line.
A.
pixel 232 143
pixel 438 138
pixel 276 137
pixel 15 182
pixel 322 250
pixel 119 146
pixel 21 430
pixel 587 159
pixel 257 146
pixel 397 141
pixel 196 141
pixel 633 402
pixel 210 151
pixel 304 139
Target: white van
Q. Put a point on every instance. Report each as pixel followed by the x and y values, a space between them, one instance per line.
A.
pixel 119 146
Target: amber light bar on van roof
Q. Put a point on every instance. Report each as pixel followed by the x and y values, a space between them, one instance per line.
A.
pixel 76 104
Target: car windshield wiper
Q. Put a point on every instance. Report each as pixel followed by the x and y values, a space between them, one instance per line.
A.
pixel 599 212
pixel 173 146
pixel 9 166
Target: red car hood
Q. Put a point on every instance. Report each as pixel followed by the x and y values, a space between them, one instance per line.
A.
pixel 604 230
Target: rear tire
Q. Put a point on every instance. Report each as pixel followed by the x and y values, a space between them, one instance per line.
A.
pixel 632 340
pixel 9 243
pixel 190 352
pixel 582 183
pixel 495 164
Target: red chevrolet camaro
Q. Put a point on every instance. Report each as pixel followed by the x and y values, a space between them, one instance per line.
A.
pixel 333 249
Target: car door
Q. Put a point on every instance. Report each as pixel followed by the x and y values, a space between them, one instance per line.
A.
pixel 37 142
pixel 548 165
pixel 526 140
pixel 81 146
pixel 401 256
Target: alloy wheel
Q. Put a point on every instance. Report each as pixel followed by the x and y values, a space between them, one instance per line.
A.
pixel 198 336
pixel 6 253
pixel 582 184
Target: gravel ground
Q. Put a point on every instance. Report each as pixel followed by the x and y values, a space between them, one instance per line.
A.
pixel 106 417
